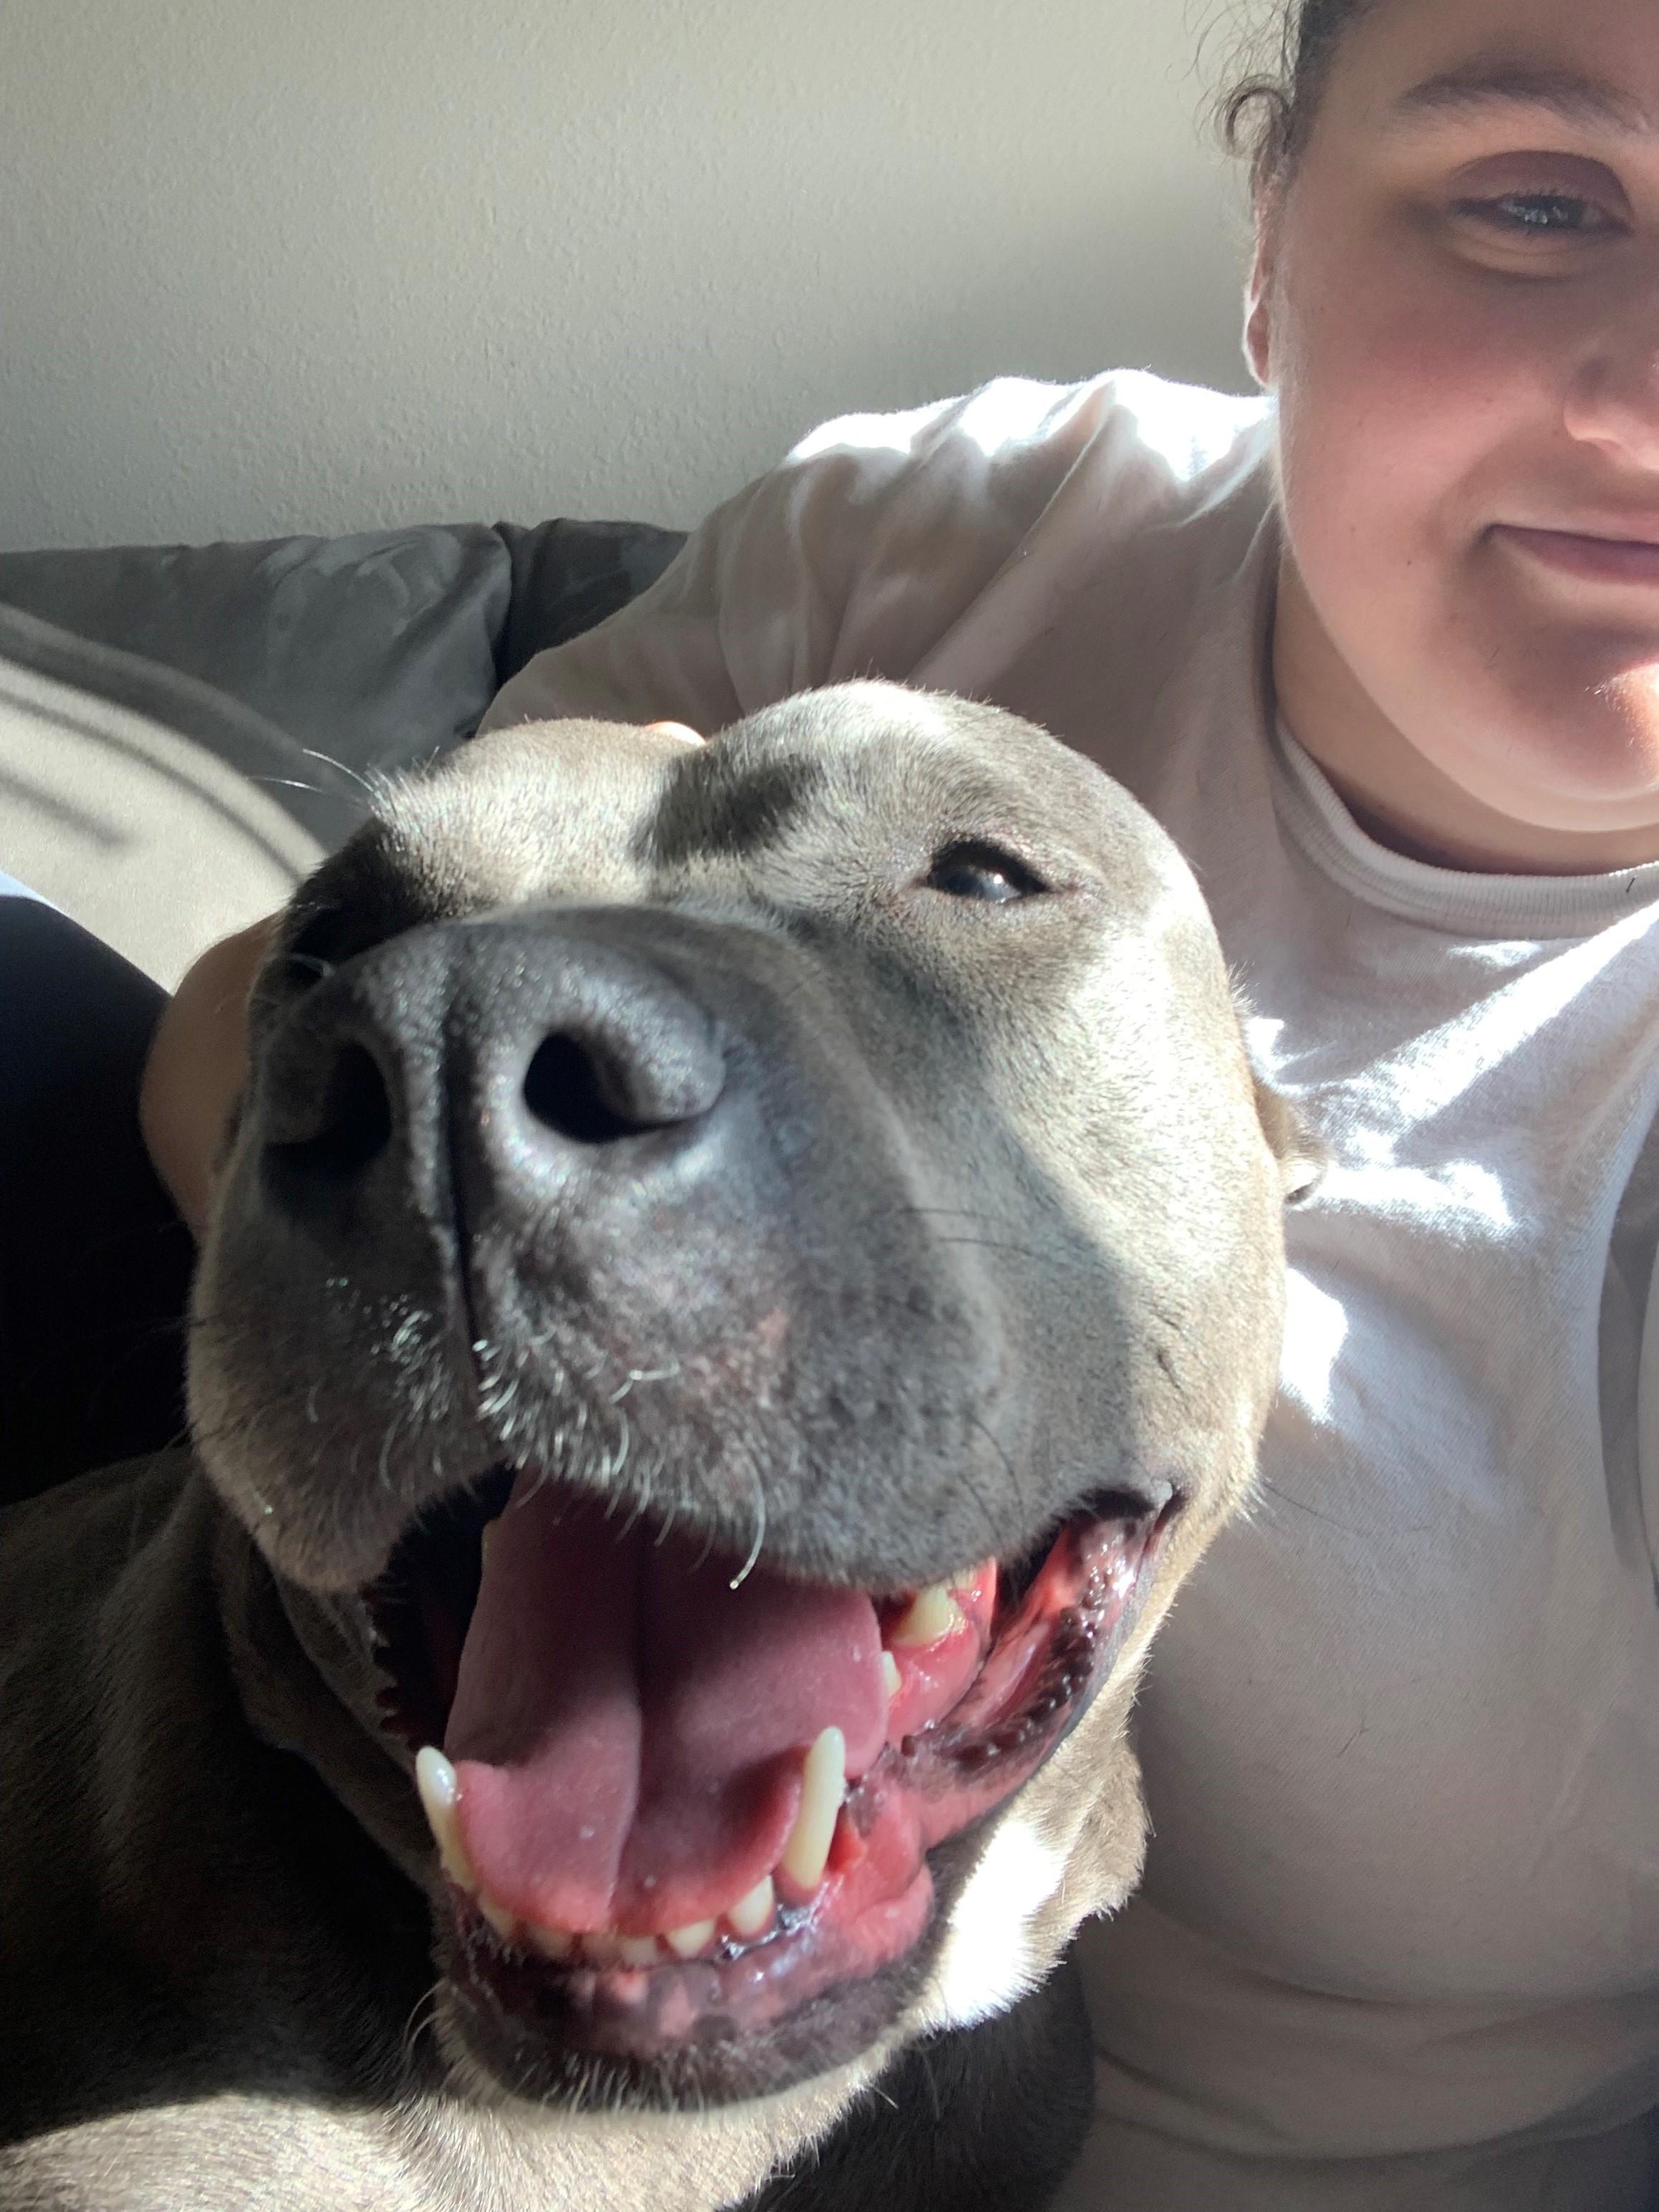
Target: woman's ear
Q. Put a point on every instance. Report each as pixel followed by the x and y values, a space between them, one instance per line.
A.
pixel 1259 300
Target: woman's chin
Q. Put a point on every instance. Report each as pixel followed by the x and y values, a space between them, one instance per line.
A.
pixel 1561 780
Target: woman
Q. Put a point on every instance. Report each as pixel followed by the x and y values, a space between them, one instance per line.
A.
pixel 1385 659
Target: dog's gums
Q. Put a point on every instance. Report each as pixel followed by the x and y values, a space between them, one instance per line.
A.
pixel 680 1796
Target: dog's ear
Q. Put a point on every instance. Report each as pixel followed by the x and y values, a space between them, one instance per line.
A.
pixel 1302 1157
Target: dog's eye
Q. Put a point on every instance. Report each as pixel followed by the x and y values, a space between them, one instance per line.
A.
pixel 972 871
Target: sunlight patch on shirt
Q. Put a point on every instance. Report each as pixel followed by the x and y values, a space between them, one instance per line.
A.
pixel 1316 1328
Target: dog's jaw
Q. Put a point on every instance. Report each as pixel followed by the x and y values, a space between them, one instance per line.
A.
pixel 847 1933
pixel 478 1345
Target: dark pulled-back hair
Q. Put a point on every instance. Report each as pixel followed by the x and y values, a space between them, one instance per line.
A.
pixel 1268 114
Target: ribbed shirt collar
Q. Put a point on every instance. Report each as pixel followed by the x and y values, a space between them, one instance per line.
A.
pixel 1461 901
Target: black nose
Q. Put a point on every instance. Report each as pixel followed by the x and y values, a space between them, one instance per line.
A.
pixel 508 1054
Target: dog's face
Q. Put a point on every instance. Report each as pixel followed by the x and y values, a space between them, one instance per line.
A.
pixel 746 1276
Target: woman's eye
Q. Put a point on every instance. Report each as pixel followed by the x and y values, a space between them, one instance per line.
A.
pixel 983 873
pixel 1540 215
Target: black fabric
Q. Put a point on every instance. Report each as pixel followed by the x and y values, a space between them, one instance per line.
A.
pixel 95 1264
pixel 986 2119
pixel 569 576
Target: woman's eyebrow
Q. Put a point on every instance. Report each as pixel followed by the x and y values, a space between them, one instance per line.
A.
pixel 1567 94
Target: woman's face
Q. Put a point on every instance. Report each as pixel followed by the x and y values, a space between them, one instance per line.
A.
pixel 1456 297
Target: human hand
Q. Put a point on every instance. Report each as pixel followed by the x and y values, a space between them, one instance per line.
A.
pixel 197 1066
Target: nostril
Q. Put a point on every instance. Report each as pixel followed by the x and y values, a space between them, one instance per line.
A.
pixel 565 1089
pixel 354 1124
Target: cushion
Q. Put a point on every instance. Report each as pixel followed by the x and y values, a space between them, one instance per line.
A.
pixel 378 650
pixel 172 716
pixel 144 804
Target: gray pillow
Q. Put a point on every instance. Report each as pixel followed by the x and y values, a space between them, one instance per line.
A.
pixel 293 667
pixel 378 650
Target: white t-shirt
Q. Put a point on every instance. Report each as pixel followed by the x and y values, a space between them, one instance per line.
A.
pixel 1398 1944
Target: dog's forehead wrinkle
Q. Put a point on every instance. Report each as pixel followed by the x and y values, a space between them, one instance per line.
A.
pixel 590 813
pixel 869 764
pixel 988 754
pixel 727 802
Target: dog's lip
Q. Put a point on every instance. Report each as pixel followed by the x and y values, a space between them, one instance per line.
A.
pixel 638 2011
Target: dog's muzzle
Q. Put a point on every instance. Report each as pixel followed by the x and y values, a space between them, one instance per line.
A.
pixel 689 1778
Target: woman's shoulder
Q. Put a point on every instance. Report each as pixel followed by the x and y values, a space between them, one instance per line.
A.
pixel 995 450
pixel 888 530
pixel 880 534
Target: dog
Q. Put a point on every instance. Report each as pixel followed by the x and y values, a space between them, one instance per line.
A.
pixel 744 1277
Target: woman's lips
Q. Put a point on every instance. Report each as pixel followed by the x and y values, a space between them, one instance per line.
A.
pixel 1607 560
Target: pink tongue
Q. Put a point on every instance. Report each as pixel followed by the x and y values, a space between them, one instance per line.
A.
pixel 628 1729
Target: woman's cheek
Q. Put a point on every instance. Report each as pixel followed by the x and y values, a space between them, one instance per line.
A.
pixel 1411 395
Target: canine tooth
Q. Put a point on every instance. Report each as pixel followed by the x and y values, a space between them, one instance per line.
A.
pixel 434 1777
pixel 688 1942
pixel 823 1784
pixel 890 1673
pixel 639 1950
pixel 551 1943
pixel 504 1923
pixel 486 1539
pixel 931 1612
pixel 751 1913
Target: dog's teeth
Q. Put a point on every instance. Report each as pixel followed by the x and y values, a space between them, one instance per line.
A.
pixel 823 1784
pixel 486 1541
pixel 434 1777
pixel 931 1614
pixel 552 1942
pixel 638 1950
pixel 890 1673
pixel 602 1947
pixel 751 1913
pixel 688 1942
pixel 505 1924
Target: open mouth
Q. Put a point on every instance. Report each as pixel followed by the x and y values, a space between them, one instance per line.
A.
pixel 685 1803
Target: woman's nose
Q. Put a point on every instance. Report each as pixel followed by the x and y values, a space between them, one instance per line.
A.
pixel 1613 402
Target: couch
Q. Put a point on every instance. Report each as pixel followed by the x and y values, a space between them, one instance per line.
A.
pixel 183 730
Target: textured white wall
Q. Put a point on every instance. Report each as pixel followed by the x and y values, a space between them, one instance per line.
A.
pixel 323 265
